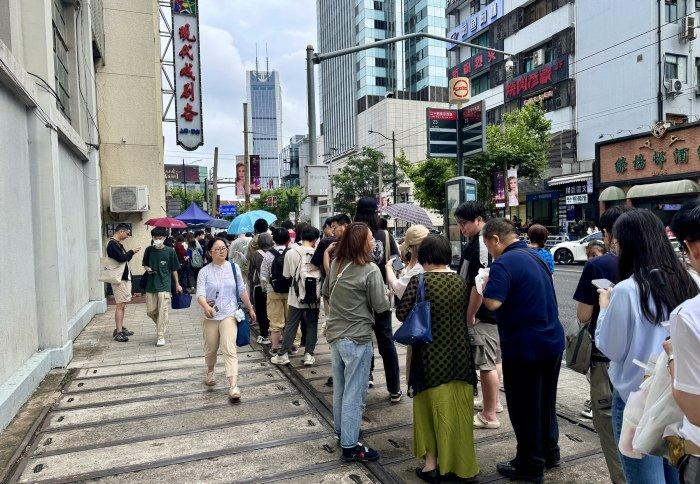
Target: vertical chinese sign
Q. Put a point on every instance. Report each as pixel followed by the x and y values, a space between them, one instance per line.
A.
pixel 188 79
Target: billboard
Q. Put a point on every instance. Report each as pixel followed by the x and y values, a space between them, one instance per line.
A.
pixel 499 189
pixel 477 22
pixel 187 74
pixel 174 173
pixel 473 128
pixel 538 79
pixel 442 132
pixel 254 175
pixel 513 187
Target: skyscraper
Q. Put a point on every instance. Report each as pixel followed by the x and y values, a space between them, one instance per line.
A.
pixel 265 111
pixel 410 70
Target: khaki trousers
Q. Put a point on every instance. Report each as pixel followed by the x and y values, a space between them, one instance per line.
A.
pixel 157 308
pixel 221 334
pixel 277 314
pixel 601 404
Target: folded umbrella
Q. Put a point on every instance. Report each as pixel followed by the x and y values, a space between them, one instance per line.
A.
pixel 166 222
pixel 244 222
pixel 409 213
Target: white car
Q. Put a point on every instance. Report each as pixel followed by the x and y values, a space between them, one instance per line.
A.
pixel 573 251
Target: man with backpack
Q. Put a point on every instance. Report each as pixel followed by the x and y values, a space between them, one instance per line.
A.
pixel 304 296
pixel 255 286
pixel 276 285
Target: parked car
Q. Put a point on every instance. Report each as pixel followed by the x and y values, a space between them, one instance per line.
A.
pixel 573 251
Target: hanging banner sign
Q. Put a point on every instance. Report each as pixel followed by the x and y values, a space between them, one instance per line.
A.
pixel 188 79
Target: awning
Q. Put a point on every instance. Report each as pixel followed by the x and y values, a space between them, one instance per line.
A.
pixel 679 187
pixel 566 179
pixel 612 194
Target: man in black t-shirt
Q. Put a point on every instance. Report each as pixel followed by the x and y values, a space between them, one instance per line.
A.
pixel 122 291
pixel 483 331
pixel 602 267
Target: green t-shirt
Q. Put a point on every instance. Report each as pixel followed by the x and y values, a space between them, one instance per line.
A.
pixel 163 262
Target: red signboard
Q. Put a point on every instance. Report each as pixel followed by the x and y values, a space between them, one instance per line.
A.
pixel 475 65
pixel 538 79
pixel 442 114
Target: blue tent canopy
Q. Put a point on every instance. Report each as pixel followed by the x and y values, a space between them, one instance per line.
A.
pixel 194 215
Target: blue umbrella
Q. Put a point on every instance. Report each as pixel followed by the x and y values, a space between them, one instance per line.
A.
pixel 217 224
pixel 244 222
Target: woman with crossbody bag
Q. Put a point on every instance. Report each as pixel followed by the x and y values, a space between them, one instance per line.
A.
pixel 356 293
pixel 219 288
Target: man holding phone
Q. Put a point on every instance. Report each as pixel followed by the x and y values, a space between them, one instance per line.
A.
pixel 598 272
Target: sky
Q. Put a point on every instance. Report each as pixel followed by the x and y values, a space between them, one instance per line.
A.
pixel 229 30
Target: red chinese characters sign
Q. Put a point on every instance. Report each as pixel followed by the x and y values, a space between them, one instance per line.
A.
pixel 475 65
pixel 188 82
pixel 537 79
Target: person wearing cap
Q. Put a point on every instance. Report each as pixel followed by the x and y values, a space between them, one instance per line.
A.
pixel 160 262
pixel 409 251
pixel 384 248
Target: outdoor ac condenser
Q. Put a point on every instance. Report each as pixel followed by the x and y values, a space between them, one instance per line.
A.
pixel 128 198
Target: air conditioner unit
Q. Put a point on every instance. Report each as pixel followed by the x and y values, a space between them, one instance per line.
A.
pixel 128 198
pixel 538 58
pixel 688 28
pixel 674 86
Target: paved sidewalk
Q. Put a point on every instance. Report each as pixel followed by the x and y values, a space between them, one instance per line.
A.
pixel 133 412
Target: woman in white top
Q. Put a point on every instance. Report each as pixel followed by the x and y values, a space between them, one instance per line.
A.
pixel 219 291
pixel 409 250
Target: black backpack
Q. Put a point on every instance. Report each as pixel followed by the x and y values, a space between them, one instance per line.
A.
pixel 280 284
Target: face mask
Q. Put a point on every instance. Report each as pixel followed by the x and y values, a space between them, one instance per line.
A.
pixel 158 242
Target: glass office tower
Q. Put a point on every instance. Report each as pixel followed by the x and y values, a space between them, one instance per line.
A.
pixel 265 123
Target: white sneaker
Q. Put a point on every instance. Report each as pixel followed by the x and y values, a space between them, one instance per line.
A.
pixel 309 359
pixel 265 341
pixel 479 405
pixel 160 342
pixel 280 360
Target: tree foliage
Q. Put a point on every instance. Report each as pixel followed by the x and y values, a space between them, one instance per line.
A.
pixel 522 141
pixel 359 178
pixel 428 178
pixel 186 198
pixel 286 200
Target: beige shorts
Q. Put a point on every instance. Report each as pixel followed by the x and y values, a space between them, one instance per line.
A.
pixel 122 292
pixel 276 310
pixel 487 346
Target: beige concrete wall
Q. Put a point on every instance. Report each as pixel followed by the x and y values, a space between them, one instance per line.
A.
pixel 130 111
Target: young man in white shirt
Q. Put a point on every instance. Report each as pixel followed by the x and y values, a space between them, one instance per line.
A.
pixel 298 311
pixel 684 354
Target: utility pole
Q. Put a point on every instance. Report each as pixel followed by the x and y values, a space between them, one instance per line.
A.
pixel 311 112
pixel 393 159
pixel 246 156
pixel 215 186
pixel 184 179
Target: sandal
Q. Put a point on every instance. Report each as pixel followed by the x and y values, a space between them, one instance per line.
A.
pixel 481 423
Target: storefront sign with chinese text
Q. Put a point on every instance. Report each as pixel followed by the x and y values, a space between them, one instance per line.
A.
pixel 476 23
pixel 475 65
pixel 576 199
pixel 537 79
pixel 442 132
pixel 188 82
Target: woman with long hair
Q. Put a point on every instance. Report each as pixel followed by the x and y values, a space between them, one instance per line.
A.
pixel 443 373
pixel 384 248
pixel 355 292
pixel 652 283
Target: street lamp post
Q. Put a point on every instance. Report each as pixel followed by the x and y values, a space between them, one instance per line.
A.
pixel 393 161
pixel 316 58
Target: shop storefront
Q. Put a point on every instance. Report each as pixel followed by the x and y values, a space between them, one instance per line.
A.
pixel 576 200
pixel 543 209
pixel 657 170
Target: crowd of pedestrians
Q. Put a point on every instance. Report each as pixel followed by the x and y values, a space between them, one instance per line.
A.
pixel 494 324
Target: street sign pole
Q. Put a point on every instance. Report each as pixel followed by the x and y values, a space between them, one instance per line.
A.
pixel 460 159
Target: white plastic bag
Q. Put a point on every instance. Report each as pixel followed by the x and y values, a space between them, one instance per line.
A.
pixel 634 410
pixel 660 410
pixel 480 280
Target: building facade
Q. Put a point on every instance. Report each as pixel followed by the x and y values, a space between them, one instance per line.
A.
pixel 265 111
pixel 50 191
pixel 292 160
pixel 597 68
pixel 352 84
pixel 129 103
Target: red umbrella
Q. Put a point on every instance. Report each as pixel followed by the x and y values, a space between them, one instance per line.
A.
pixel 166 222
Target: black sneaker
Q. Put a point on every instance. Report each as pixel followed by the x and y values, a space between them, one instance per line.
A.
pixel 125 331
pixel 507 469
pixel 370 383
pixel 359 453
pixel 121 337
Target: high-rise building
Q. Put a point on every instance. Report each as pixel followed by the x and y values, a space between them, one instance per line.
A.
pixel 265 111
pixel 408 70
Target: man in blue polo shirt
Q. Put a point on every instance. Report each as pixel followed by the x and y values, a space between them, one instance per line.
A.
pixel 521 292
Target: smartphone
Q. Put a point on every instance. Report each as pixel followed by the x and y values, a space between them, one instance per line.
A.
pixel 602 283
pixel 397 264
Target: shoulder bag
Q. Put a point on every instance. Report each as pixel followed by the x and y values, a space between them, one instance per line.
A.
pixel 579 347
pixel 243 333
pixel 111 271
pixel 417 329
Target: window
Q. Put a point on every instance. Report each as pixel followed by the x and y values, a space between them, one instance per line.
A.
pixel 380 24
pixel 536 11
pixel 527 58
pixel 480 84
pixel 377 5
pixel 379 62
pixel 675 67
pixel 482 40
pixel 476 5
pixel 697 70
pixel 380 81
pixel 60 58
pixel 675 9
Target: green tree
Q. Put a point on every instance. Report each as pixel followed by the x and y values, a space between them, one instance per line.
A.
pixel 428 178
pixel 285 200
pixel 187 198
pixel 359 178
pixel 522 141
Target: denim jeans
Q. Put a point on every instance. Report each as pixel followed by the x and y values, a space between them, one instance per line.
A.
pixel 647 470
pixel 350 362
